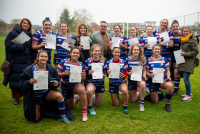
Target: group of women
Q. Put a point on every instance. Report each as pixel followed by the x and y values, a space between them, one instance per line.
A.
pixel 126 55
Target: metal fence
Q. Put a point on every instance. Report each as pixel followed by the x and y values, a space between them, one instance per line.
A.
pixel 191 20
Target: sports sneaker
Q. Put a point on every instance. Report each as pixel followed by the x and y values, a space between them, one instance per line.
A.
pixel 92 112
pixel 187 98
pixel 85 118
pixel 16 101
pixel 175 93
pixel 65 120
pixel 141 107
pixel 185 95
pixel 167 107
pixel 120 92
pixel 77 97
pixel 126 110
pixel 147 89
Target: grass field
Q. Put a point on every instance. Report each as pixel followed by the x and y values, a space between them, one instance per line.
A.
pixel 184 117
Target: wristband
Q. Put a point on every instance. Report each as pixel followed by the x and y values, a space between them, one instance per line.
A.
pixel 167 45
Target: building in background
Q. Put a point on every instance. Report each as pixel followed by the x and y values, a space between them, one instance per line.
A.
pixel 94 27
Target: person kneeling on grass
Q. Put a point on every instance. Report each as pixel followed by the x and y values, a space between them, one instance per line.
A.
pixel 35 101
pixel 116 84
pixel 92 83
pixel 157 61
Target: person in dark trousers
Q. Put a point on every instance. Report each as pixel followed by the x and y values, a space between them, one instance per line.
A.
pixel 23 55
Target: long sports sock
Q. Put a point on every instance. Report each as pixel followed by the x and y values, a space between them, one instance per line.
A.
pixel 84 111
pixel 91 106
pixel 176 83
pixel 141 102
pixel 125 105
pixel 61 107
pixel 168 97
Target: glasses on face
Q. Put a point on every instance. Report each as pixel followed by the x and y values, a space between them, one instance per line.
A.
pixel 103 26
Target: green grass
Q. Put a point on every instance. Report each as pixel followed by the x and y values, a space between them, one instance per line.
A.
pixel 184 117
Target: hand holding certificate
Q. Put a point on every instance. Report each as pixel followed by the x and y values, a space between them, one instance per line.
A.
pixel 21 38
pixel 42 80
pixel 66 43
pixel 179 59
pixel 75 73
pixel 85 42
pixel 136 73
pixel 98 73
pixel 51 41
pixel 133 41
pixel 151 41
pixel 115 69
pixel 115 41
pixel 159 75
pixel 165 37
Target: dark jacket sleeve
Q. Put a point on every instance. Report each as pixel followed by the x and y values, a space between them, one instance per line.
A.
pixel 194 50
pixel 93 41
pixel 10 45
pixel 24 81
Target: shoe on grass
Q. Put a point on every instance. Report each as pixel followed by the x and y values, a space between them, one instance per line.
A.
pixel 85 118
pixel 175 93
pixel 147 89
pixel 185 95
pixel 16 101
pixel 167 107
pixel 141 107
pixel 92 112
pixel 126 110
pixel 187 98
pixel 77 96
pixel 65 120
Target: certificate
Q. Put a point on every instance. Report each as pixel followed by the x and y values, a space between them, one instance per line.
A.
pixel 42 80
pixel 133 41
pixel 115 69
pixel 66 43
pixel 165 37
pixel 115 41
pixel 75 73
pixel 85 42
pixel 136 73
pixel 179 59
pixel 159 75
pixel 98 72
pixel 151 41
pixel 21 38
pixel 51 41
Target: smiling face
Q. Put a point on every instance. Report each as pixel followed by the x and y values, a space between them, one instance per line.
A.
pixel 25 25
pixel 75 54
pixel 116 53
pixel 135 51
pixel 117 30
pixel 163 24
pixel 83 30
pixel 156 50
pixel 64 28
pixel 43 58
pixel 133 31
pixel 175 28
pixel 96 53
pixel 47 26
pixel 185 32
pixel 149 30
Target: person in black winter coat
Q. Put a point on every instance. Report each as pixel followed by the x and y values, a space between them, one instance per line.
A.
pixel 40 103
pixel 24 59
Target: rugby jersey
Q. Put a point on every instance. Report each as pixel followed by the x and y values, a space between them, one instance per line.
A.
pixel 140 41
pixel 177 40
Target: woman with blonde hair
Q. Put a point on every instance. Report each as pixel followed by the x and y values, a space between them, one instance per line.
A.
pixel 190 50
pixel 136 58
pixel 82 30
pixel 93 84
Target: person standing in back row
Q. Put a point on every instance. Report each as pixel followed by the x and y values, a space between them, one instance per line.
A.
pixel 102 37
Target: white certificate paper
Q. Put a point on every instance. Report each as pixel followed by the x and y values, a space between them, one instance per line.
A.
pixel 151 41
pixel 159 75
pixel 75 73
pixel 51 41
pixel 85 42
pixel 136 73
pixel 42 80
pixel 66 43
pixel 165 36
pixel 98 72
pixel 179 59
pixel 133 41
pixel 115 41
pixel 115 69
pixel 21 38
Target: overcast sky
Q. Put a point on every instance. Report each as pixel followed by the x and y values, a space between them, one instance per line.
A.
pixel 108 10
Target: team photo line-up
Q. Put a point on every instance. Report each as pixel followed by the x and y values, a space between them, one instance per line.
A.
pixel 143 60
